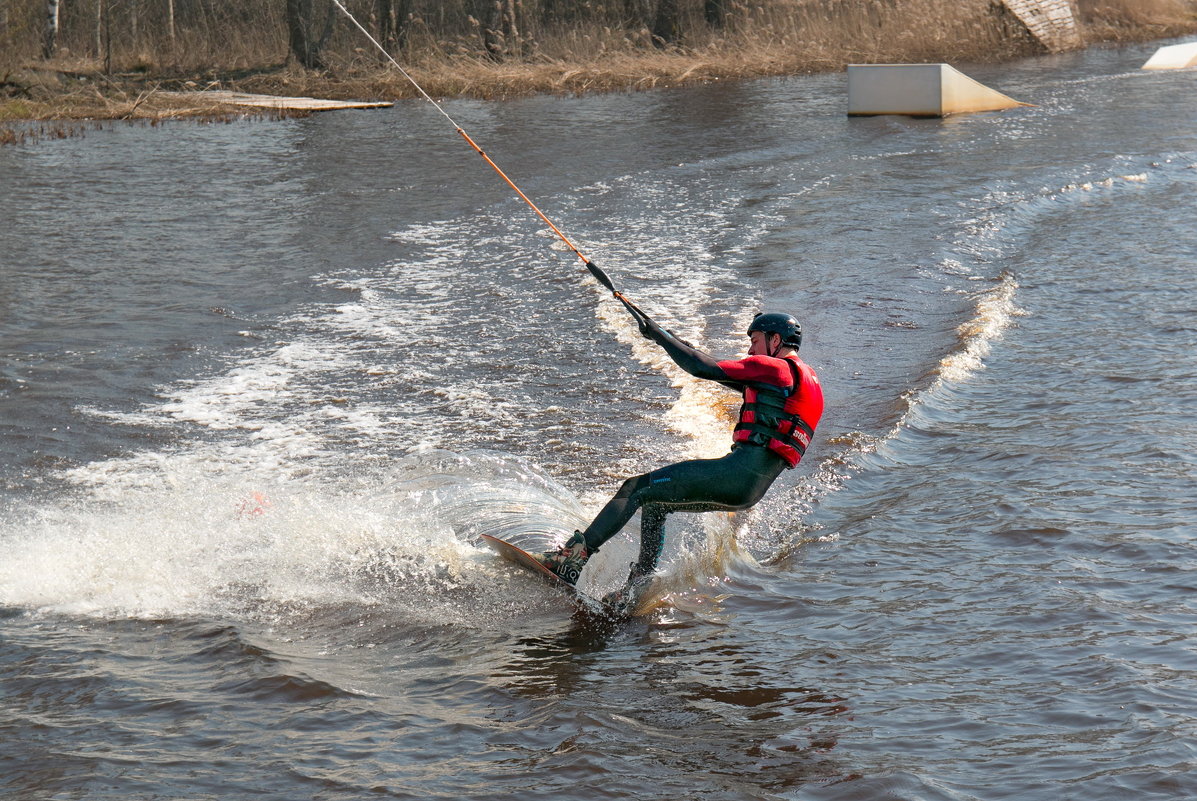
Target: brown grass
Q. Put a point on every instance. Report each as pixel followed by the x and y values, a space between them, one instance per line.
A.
pixel 99 97
pixel 785 38
pixel 788 38
pixel 1136 20
pixel 781 37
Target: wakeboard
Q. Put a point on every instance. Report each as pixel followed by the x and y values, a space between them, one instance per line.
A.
pixel 585 604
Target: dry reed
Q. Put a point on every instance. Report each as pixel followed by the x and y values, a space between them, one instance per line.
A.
pixel 1136 20
pixel 246 50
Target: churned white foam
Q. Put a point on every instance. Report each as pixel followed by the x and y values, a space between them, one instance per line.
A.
pixel 295 417
pixel 244 397
pixel 233 400
pixel 995 310
pixel 283 406
pixel 676 264
pixel 1103 183
pixel 185 550
pixel 702 413
pixel 697 414
pixel 228 545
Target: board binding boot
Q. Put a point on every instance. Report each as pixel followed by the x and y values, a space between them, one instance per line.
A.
pixel 568 560
pixel 624 599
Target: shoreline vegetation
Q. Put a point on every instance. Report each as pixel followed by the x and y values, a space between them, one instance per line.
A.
pixel 63 62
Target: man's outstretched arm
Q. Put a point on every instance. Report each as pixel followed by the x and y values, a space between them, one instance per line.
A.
pixel 694 361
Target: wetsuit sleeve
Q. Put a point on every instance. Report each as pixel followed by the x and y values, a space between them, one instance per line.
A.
pixel 759 371
pixel 694 361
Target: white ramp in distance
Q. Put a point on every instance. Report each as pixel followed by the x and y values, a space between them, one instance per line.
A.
pixel 1173 57
pixel 919 90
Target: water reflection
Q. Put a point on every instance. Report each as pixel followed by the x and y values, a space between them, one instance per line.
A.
pixel 676 700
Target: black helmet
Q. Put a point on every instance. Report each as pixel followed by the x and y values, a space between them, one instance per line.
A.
pixel 777 323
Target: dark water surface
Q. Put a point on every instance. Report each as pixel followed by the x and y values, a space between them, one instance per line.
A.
pixel 263 384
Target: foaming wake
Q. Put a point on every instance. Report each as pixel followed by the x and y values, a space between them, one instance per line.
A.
pixel 992 236
pixel 372 376
pixel 213 545
pixel 700 413
pixel 995 308
pixel 780 524
pixel 995 311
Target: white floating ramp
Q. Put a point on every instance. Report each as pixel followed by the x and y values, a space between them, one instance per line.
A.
pixel 277 102
pixel 919 90
pixel 1173 57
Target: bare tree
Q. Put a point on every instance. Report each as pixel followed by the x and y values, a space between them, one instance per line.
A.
pixel 98 43
pixel 391 19
pixel 50 36
pixel 380 19
pixel 637 12
pixel 552 11
pixel 666 26
pixel 302 20
pixel 715 12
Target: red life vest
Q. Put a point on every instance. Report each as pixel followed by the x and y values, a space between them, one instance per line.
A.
pixel 782 419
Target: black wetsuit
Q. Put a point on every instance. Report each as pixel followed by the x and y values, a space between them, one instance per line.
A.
pixel 735 481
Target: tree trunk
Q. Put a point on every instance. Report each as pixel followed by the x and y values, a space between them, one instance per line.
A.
pixel 107 19
pixel 383 13
pixel 299 29
pixel 50 35
pixel 393 17
pixel 665 26
pixel 99 31
pixel 403 18
pixel 306 46
pixel 330 24
pixel 554 11
pixel 715 12
pixel 637 13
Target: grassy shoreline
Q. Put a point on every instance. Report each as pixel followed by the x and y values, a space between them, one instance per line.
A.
pixel 77 91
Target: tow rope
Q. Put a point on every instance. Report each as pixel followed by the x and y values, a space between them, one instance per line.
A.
pixel 591 266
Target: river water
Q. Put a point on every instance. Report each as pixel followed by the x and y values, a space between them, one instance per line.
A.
pixel 262 385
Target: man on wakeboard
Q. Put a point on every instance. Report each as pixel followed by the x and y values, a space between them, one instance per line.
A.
pixel 782 405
